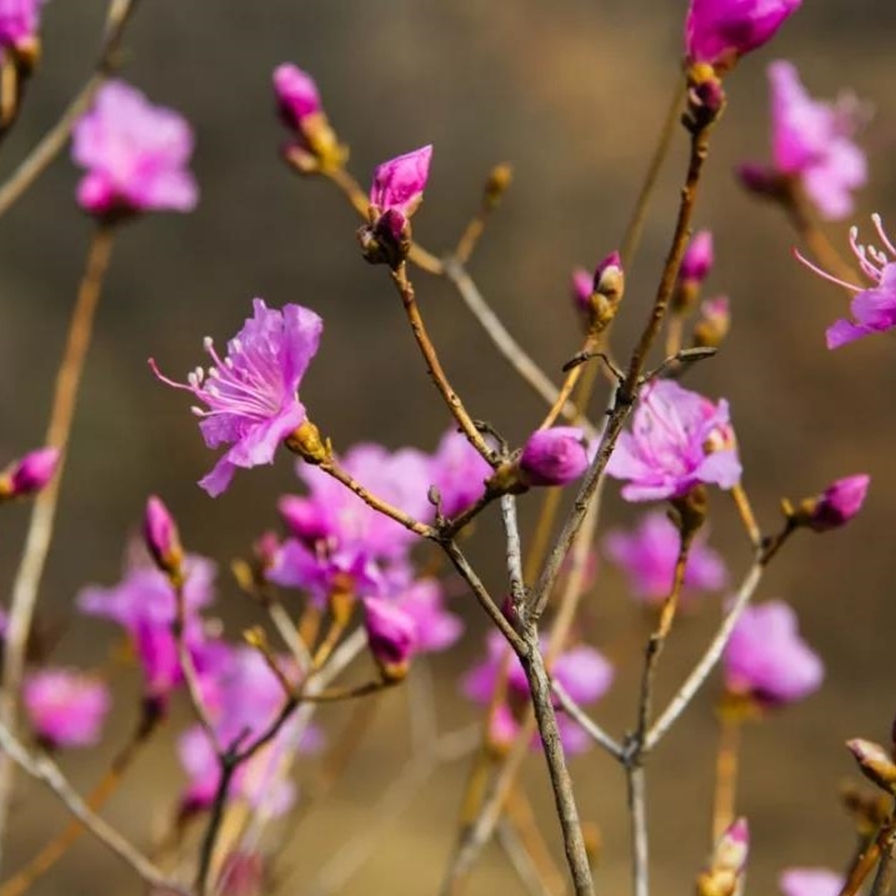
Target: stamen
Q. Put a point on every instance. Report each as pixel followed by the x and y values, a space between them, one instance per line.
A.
pixel 824 274
pixel 878 225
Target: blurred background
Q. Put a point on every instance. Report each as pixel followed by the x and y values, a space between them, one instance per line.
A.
pixel 572 94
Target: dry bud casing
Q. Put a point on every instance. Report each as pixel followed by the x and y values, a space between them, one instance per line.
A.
pixel 874 762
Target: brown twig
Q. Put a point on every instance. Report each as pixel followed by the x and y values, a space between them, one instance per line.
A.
pixel 726 773
pixel 43 514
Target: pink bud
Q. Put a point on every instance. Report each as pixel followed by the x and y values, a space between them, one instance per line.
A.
pixel 297 94
pixel 698 259
pixel 581 287
pixel 713 323
pixel 391 636
pixel 303 517
pixel 724 874
pixel 162 539
pixel 720 31
pixel 554 456
pixel 841 501
pixel 609 275
pixel 19 22
pixel 29 474
pixel 399 183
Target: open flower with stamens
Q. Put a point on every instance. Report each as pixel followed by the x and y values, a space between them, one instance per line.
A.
pixel 873 308
pixel 251 394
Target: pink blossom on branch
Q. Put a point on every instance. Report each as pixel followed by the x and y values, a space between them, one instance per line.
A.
pixel 29 474
pixel 811 882
pixel 135 153
pixel 66 708
pixel 251 395
pixel 554 456
pixel 840 502
pixel 398 184
pixel 678 440
pixel 767 660
pixel 720 31
pixel 458 472
pixel 874 307
pixel 297 95
pixel 811 143
pixel 648 555
pixel 19 23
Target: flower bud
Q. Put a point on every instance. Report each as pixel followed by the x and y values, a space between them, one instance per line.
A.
pixel 601 302
pixel 705 98
pixel 835 507
pixel 391 636
pixel 695 267
pixel 581 286
pixel 29 474
pixel 162 538
pixel 719 32
pixel 713 323
pixel 554 456
pixel 499 179
pixel 874 762
pixel 724 876
pixel 299 105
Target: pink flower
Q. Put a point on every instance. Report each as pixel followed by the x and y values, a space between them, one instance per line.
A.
pixel 648 556
pixel 840 502
pixel 143 603
pixel 582 670
pixel 554 456
pixel 19 22
pixel 767 660
pixel 29 474
pixel 720 31
pixel 251 394
pixel 810 882
pixel 297 94
pixel 812 142
pixel 435 628
pixel 391 636
pixel 874 308
pixel 678 439
pixel 458 472
pixel 161 536
pixel 135 154
pixel 66 708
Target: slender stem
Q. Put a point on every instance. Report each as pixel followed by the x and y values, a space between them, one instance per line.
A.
pixel 865 865
pixel 46 859
pixel 632 237
pixel 569 383
pixel 290 635
pixel 512 351
pixel 514 551
pixel 726 773
pixel 434 365
pixel 637 804
pixel 533 878
pixel 228 765
pixel 43 514
pixel 564 800
pixel 745 509
pixel 43 769
pixel 707 662
pixel 54 141
pixel 578 715
pixel 886 870
pixel 524 825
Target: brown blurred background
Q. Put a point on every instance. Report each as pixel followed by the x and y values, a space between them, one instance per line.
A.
pixel 570 92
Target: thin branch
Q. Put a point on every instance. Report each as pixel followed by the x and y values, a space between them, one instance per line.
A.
pixel 287 631
pixel 578 715
pixel 53 142
pixel 45 770
pixel 886 870
pixel 43 514
pixel 637 804
pixel 523 363
pixel 514 551
pixel 522 860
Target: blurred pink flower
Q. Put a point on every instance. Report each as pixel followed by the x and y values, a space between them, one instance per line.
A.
pixel 874 308
pixel 811 141
pixel 649 553
pixel 678 439
pixel 435 628
pixel 458 472
pixel 251 393
pixel 720 31
pixel 811 882
pixel 581 286
pixel 698 258
pixel 297 94
pixel 554 456
pixel 391 636
pixel 66 708
pixel 583 671
pixel 29 474
pixel 136 155
pixel 19 22
pixel 767 660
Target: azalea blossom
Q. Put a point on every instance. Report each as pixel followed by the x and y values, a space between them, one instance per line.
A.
pixel 648 556
pixel 767 660
pixel 873 308
pixel 458 472
pixel 811 882
pixel 678 440
pixel 581 670
pixel 720 31
pixel 66 708
pixel 135 153
pixel 251 395
pixel 812 142
pixel 554 456
pixel 19 23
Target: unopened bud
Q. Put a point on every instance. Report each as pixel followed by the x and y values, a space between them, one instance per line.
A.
pixel 554 456
pixel 835 507
pixel 874 762
pixel 391 636
pixel 695 267
pixel 162 538
pixel 306 441
pixel 706 97
pixel 713 323
pixel 29 474
pixel 498 181
pixel 724 875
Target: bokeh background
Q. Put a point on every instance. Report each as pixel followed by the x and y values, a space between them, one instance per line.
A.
pixel 571 92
